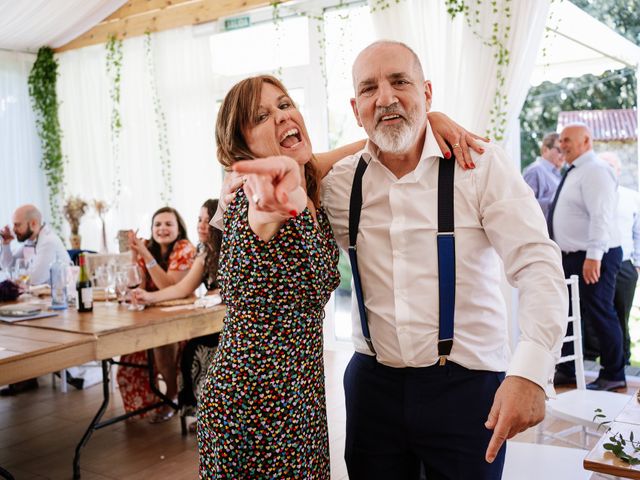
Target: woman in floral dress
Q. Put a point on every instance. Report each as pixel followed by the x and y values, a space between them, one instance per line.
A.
pixel 262 410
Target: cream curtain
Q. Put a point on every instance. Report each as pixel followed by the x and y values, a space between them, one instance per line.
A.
pixel 462 69
pixel 182 66
pixel 21 180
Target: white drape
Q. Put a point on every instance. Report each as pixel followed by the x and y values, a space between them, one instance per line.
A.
pixel 21 180
pixel 29 25
pixel 189 108
pixel 462 69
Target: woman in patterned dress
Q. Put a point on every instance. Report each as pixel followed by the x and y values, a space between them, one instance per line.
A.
pixel 262 410
pixel 164 260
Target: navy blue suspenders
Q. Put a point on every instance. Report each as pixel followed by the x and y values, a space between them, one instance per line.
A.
pixel 446 254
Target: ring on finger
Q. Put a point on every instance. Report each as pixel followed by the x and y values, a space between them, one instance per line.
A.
pixel 256 199
pixel 455 145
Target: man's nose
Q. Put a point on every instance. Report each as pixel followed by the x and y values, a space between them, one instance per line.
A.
pixel 386 95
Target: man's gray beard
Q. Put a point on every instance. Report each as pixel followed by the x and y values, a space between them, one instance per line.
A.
pixel 399 138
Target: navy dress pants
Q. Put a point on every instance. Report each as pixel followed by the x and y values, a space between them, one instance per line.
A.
pixel 596 307
pixel 625 290
pixel 401 418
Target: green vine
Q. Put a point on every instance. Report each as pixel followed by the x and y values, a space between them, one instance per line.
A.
pixel 42 90
pixel 626 449
pixel 500 34
pixel 114 73
pixel 380 5
pixel 161 125
pixel 276 17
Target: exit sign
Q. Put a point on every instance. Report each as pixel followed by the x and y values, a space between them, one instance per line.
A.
pixel 237 22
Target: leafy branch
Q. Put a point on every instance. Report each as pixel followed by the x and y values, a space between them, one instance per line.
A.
pixel 42 90
pixel 626 449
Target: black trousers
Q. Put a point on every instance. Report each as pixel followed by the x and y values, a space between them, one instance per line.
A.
pixel 194 363
pixel 623 300
pixel 400 418
pixel 596 308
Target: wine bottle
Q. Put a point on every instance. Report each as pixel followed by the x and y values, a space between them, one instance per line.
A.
pixel 83 287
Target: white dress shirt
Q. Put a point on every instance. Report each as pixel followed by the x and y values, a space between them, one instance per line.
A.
pixel 40 253
pixel 585 215
pixel 629 224
pixel 496 216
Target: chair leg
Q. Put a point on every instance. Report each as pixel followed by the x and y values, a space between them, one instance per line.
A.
pixel 63 381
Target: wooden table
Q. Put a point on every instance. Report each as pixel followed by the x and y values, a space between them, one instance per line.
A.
pixel 40 346
pixel 602 461
pixel 27 352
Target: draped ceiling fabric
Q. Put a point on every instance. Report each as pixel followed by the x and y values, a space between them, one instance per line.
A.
pixel 27 25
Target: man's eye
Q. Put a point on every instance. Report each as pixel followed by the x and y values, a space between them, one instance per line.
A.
pixel 367 90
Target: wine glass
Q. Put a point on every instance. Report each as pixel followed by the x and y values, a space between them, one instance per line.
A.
pixel 104 277
pixel 121 286
pixel 134 279
pixel 21 274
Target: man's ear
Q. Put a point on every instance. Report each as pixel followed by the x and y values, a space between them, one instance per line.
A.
pixel 428 93
pixel 354 107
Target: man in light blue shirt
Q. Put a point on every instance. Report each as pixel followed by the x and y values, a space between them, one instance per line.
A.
pixel 582 221
pixel 629 226
pixel 543 175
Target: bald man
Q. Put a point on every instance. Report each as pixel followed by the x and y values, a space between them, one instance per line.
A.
pixel 40 244
pixel 582 220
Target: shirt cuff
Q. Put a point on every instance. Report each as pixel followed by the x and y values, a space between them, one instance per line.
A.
pixel 594 254
pixel 534 363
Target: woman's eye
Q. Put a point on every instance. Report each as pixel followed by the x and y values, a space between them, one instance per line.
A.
pixel 285 105
pixel 261 117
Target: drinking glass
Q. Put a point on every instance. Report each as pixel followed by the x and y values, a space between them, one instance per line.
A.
pixel 104 278
pixel 121 286
pixel 21 273
pixel 201 292
pixel 134 279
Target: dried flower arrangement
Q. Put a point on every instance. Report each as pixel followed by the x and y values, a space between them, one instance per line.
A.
pixel 74 209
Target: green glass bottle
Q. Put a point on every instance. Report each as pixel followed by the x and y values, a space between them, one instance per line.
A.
pixel 84 289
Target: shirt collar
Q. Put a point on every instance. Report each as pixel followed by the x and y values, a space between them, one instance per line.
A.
pixel 547 165
pixel 586 157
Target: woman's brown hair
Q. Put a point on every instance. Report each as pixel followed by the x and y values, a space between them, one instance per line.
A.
pixel 239 108
pixel 212 247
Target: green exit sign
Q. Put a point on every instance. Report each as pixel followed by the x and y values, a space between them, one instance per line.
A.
pixel 237 22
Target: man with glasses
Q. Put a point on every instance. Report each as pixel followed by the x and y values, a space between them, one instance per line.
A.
pixel 543 175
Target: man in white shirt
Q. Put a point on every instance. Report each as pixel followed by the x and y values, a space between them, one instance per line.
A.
pixel 628 214
pixel 582 221
pixel 40 244
pixel 404 408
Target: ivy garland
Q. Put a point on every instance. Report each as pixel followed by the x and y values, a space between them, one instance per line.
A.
pixel 42 90
pixel 161 125
pixel 498 40
pixel 114 73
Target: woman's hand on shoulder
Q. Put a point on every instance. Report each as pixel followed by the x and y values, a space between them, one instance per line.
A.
pixel 446 130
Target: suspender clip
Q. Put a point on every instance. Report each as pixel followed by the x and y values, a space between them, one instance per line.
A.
pixel 443 360
pixel 370 345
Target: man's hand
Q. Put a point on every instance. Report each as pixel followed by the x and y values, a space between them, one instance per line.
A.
pixel 591 271
pixel 7 235
pixel 518 405
pixel 273 185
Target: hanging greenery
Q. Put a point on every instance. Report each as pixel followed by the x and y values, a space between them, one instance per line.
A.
pixel 42 90
pixel 161 125
pixel 379 5
pixel 498 40
pixel 114 73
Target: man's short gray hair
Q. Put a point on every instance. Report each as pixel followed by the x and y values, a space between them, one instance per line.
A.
pixel 414 55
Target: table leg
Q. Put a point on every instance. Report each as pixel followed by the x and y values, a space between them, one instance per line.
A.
pixel 96 424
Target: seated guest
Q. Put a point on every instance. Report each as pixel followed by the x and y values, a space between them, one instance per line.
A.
pixel 164 260
pixel 40 246
pixel 197 353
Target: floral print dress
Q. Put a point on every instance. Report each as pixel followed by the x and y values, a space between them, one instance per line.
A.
pixel 262 411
